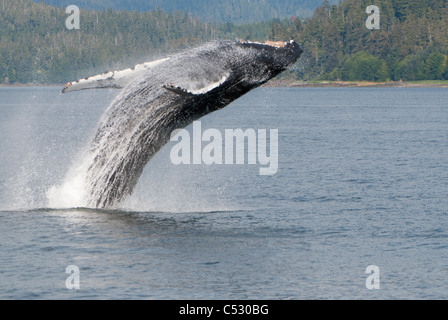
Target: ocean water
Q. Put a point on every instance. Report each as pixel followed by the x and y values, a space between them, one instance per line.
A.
pixel 362 181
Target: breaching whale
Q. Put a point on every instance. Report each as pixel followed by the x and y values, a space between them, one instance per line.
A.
pixel 161 96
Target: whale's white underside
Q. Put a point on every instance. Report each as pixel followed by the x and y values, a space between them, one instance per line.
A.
pixel 113 79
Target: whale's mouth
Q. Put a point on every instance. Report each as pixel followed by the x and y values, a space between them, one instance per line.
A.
pixel 278 44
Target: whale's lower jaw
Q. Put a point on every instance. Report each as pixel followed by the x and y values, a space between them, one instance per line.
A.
pixel 168 96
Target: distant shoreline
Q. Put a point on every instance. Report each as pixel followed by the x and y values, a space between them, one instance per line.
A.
pixel 358 84
pixel 28 85
pixel 299 84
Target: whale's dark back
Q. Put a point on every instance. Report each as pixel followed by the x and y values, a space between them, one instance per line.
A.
pixel 141 119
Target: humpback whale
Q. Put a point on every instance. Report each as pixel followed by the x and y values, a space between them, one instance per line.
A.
pixel 161 96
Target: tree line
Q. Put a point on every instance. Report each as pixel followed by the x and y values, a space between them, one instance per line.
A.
pixel 411 44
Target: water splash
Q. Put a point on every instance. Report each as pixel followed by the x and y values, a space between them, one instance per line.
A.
pixel 72 192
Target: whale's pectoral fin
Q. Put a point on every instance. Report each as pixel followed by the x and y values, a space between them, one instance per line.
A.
pixel 102 81
pixel 111 80
pixel 197 88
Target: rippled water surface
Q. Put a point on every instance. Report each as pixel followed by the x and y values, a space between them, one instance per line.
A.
pixel 362 180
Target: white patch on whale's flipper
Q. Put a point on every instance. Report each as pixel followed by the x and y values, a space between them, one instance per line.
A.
pixel 112 79
pixel 196 92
